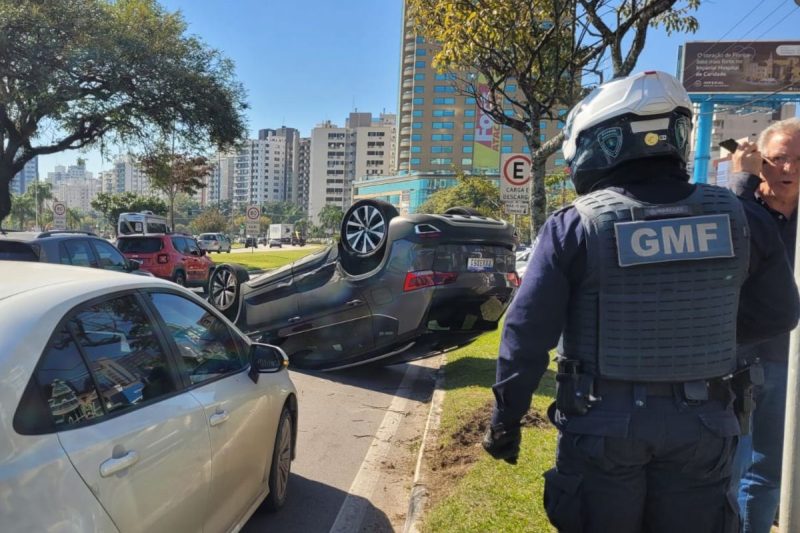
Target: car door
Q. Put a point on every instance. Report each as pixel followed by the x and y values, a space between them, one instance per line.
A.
pixel 334 316
pixel 196 265
pixel 241 415
pixel 138 440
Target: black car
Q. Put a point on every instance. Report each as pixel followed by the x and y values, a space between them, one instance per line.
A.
pixel 67 247
pixel 394 288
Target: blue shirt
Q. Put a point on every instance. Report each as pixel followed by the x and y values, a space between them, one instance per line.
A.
pixel 537 315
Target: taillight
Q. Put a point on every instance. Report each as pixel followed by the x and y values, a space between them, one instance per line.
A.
pixel 162 259
pixel 427 278
pixel 513 278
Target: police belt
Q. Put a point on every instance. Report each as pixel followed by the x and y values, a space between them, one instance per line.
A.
pixel 701 390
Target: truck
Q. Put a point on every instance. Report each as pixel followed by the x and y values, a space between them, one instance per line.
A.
pixel 283 232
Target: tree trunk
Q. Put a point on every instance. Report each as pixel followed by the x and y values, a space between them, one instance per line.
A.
pixel 538 197
pixel 172 212
pixel 6 175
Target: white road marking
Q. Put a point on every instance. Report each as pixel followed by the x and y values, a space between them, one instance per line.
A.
pixel 354 507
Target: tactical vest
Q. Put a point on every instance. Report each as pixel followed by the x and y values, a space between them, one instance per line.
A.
pixel 660 296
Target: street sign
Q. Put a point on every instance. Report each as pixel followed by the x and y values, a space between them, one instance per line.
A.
pixel 515 183
pixel 59 215
pixel 253 218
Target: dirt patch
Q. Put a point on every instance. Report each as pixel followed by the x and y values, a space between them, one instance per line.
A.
pixel 448 463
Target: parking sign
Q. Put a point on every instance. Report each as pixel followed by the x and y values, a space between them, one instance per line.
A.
pixel 515 182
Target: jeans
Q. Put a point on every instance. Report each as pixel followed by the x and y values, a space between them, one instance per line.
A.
pixel 759 455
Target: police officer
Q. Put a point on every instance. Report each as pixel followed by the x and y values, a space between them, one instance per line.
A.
pixel 641 279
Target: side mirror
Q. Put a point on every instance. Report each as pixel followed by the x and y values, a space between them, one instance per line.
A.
pixel 266 359
pixel 133 264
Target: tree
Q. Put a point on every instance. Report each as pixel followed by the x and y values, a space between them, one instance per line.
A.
pixel 283 212
pixel 112 205
pixel 547 49
pixel 172 173
pixel 330 218
pixel 470 191
pixel 560 192
pixel 23 209
pixel 209 221
pixel 41 193
pixel 77 73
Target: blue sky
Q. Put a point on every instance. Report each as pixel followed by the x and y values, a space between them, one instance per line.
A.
pixel 306 61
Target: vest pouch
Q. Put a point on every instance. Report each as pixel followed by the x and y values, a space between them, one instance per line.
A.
pixel 573 393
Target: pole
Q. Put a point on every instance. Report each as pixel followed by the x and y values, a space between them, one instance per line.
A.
pixel 790 469
pixel 702 151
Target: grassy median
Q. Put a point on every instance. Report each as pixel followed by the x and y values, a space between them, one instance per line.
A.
pixel 470 491
pixel 265 260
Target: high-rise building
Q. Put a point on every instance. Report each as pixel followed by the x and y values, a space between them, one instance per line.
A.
pixel 290 162
pixel 339 156
pixel 266 168
pixel 22 180
pixel 220 182
pixel 440 130
pixel 77 193
pixel 125 176
pixel 303 172
pixel 62 174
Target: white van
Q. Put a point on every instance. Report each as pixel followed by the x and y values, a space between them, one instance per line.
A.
pixel 144 223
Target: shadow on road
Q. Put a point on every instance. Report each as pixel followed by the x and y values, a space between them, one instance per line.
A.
pixel 313 507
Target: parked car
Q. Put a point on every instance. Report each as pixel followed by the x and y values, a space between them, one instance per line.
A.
pixel 214 242
pixel 394 288
pixel 275 243
pixel 169 256
pixel 129 404
pixel 79 248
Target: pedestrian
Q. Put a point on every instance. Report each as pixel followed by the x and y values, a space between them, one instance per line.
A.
pixel 768 172
pixel 648 281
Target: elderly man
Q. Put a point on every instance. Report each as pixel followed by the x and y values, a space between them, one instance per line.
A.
pixel 768 172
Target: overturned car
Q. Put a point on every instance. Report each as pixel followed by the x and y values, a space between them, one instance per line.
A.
pixel 394 288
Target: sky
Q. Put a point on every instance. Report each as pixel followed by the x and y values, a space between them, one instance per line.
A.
pixel 303 62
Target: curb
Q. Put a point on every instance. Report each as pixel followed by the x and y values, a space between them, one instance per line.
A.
pixel 419 488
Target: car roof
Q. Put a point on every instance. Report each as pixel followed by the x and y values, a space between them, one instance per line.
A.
pixel 29 236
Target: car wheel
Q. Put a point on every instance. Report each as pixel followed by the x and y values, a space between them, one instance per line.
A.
pixel 281 465
pixel 224 288
pixel 460 210
pixel 364 233
pixel 179 278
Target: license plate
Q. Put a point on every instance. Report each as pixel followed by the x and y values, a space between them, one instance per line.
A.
pixel 480 264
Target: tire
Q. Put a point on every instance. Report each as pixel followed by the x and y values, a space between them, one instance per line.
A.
pixel 281 464
pixel 461 210
pixel 180 278
pixel 225 287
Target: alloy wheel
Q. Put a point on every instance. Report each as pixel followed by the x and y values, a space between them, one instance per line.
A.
pixel 223 288
pixel 365 229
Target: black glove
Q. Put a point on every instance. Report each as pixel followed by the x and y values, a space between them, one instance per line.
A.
pixel 503 443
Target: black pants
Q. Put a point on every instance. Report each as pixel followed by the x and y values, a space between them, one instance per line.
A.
pixel 664 466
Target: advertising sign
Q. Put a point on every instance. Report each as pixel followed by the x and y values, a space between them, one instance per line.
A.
pixel 486 149
pixel 731 67
pixel 515 183
pixel 59 215
pixel 253 217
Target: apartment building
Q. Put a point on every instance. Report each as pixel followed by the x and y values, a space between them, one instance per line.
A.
pixel 441 130
pixel 266 168
pixel 22 180
pixel 77 193
pixel 303 172
pixel 125 175
pixel 339 156
pixel 219 186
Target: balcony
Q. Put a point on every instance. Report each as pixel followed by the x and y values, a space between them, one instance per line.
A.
pixel 409 47
pixel 409 59
pixel 408 83
pixel 405 142
pixel 406 107
pixel 405 131
pixel 408 71
pixel 404 154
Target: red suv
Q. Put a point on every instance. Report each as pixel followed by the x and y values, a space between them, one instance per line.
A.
pixel 170 256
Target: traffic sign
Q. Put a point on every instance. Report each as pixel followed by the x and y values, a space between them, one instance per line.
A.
pixel 253 215
pixel 515 183
pixel 59 215
pixel 253 212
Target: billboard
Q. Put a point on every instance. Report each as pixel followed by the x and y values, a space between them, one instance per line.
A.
pixel 486 148
pixel 771 67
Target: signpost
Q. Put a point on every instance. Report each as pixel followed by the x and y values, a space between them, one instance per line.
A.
pixel 515 183
pixel 59 215
pixel 253 216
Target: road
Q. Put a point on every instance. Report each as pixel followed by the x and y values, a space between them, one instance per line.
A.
pixel 359 432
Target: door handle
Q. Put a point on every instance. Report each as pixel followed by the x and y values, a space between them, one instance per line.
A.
pixel 218 418
pixel 117 464
pixel 294 320
pixel 353 303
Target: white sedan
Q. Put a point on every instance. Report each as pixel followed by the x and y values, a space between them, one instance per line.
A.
pixel 129 404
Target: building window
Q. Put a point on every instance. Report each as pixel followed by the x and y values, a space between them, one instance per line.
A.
pixel 417 113
pixel 442 161
pixel 560 162
pixel 526 149
pixel 418 100
pixel 416 136
pixel 469 100
pixel 508 112
pixel 420 39
pixel 419 64
pixel 542 125
pixel 466 149
pixel 419 76
pixel 466 160
pixel 560 124
pixel 415 161
pixel 441 149
pixel 444 89
pixel 510 88
pixel 445 76
pixel 469 112
pixel 507 137
pixel 542 137
pixel 416 149
pixel 443 112
pixel 421 52
pixel 419 88
pixel 442 125
pixel 505 149
pixel 442 137
pixel 417 125
pixel 469 125
pixel 444 101
pixel 468 137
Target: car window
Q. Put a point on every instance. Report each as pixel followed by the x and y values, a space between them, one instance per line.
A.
pixel 191 246
pixel 76 252
pixel 179 243
pixel 121 348
pixel 147 245
pixel 110 258
pixel 66 384
pixel 17 251
pixel 205 343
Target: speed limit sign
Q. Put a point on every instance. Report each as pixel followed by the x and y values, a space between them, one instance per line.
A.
pixel 253 215
pixel 59 215
pixel 253 212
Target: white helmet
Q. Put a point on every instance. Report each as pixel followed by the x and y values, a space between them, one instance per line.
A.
pixel 644 115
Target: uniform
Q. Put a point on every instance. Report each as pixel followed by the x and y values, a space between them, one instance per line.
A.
pixel 647 339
